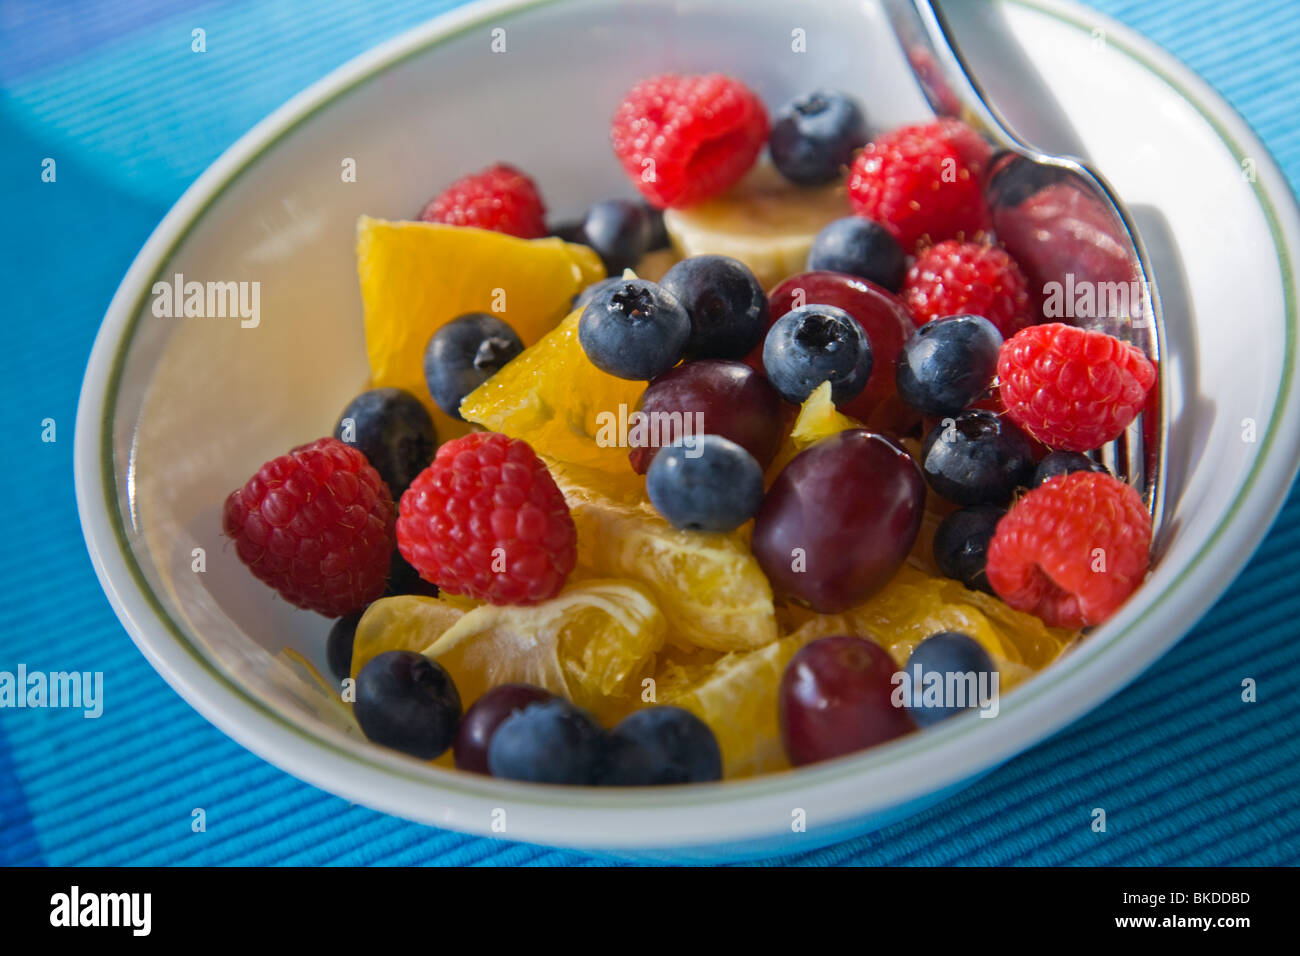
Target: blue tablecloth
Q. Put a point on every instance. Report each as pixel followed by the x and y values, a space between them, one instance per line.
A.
pixel 111 90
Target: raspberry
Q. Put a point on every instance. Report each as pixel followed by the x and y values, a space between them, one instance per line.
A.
pixel 923 181
pixel 967 278
pixel 486 520
pixel 1073 389
pixel 682 139
pixel 973 148
pixel 316 525
pixel 499 198
pixel 1072 550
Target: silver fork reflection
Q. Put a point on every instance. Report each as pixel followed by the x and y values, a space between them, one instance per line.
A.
pixel 1062 224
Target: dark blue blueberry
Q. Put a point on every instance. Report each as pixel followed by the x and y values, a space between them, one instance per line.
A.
pixel 338 646
pixel 977 458
pixel 483 718
pixel 547 742
pixel 404 579
pixel 727 306
pixel 860 247
pixel 1063 463
pixel 945 653
pixel 961 544
pixel 407 702
pixel 393 430
pixel 619 232
pixel 634 330
pixel 814 138
pixel 661 745
pixel 464 354
pixel 712 484
pixel 658 234
pixel 815 344
pixel 586 295
pixel 569 231
pixel 947 364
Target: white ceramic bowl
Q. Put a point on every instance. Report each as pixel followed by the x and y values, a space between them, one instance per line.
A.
pixel 177 412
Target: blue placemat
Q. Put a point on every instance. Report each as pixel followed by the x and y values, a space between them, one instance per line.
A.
pixel 113 93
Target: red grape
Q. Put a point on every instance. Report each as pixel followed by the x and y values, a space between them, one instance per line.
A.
pixel 485 716
pixel 835 699
pixel 881 314
pixel 839 520
pixel 736 402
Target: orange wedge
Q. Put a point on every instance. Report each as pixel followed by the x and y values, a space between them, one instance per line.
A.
pixel 708 585
pixel 417 276
pixel 556 400
pixel 915 605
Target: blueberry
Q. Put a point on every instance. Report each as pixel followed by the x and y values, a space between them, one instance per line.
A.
pixel 1064 462
pixel 947 653
pixel 338 646
pixel 815 344
pixel 947 364
pixel 634 330
pixel 464 354
pixel 977 458
pixel 570 231
pixel 586 295
pixel 961 544
pixel 814 138
pixel 661 745
pixel 483 718
pixel 619 232
pixel 658 232
pixel 407 702
pixel 404 579
pixel 862 248
pixel 393 430
pixel 712 484
pixel 727 306
pixel 547 742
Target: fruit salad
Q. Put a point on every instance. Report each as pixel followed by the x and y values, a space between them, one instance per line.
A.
pixel 772 463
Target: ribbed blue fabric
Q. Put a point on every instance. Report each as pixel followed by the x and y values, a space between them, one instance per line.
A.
pixel 1187 773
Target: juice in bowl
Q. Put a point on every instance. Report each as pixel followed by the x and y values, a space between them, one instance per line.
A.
pixel 774 463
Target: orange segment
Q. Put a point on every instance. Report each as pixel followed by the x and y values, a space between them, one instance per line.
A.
pixel 417 276
pixel 408 622
pixel 915 605
pixel 556 400
pixel 709 586
pixel 818 419
pixel 737 698
pixel 593 644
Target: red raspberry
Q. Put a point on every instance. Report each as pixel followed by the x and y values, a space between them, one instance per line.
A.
pixel 967 278
pixel 1073 389
pixel 499 198
pixel 682 139
pixel 923 181
pixel 1072 550
pixel 973 148
pixel 486 520
pixel 316 525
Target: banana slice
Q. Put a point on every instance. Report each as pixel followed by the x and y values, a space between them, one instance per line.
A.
pixel 764 221
pixel 653 265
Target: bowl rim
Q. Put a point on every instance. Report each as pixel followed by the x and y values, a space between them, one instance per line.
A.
pixel 586 817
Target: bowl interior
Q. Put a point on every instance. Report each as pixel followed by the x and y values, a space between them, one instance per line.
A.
pixel 200 402
pixel 206 400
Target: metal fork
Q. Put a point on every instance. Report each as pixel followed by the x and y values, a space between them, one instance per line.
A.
pixel 1061 222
